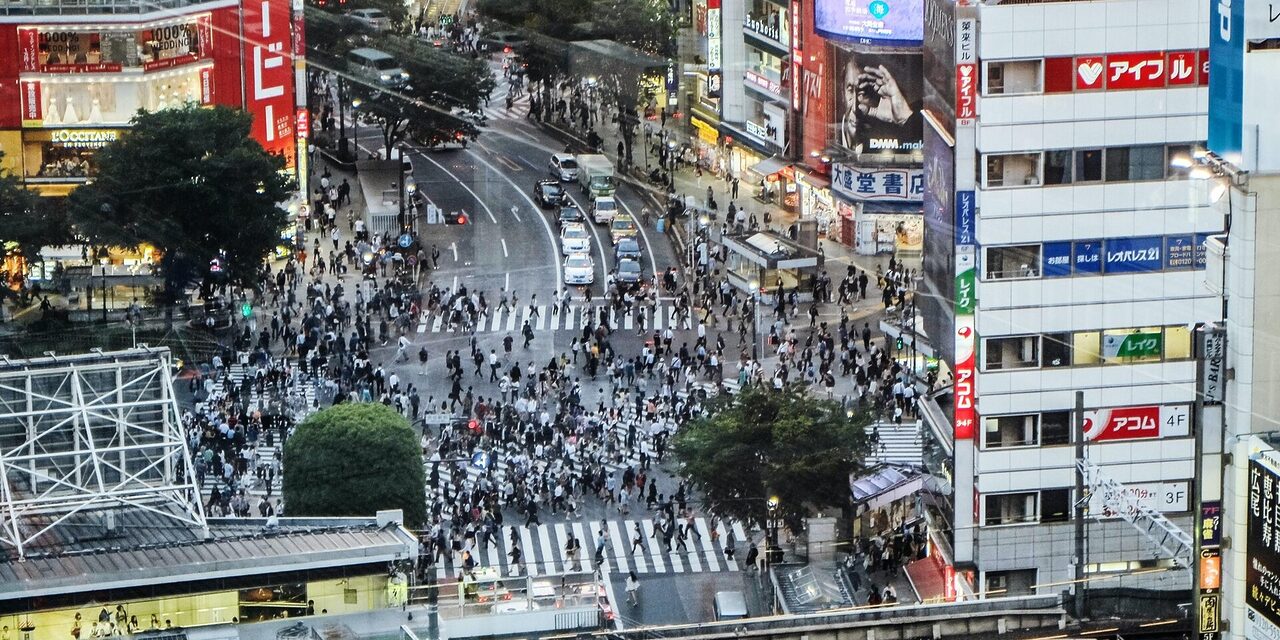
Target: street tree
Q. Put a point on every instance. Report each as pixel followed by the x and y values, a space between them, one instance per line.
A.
pixel 28 223
pixel 762 444
pixel 193 184
pixel 442 100
pixel 354 459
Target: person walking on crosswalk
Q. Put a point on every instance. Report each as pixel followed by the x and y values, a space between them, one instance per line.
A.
pixel 637 539
pixel 527 331
pixel 602 541
pixel 571 549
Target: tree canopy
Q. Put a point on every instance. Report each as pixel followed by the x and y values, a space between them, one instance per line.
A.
pixel 763 443
pixel 352 460
pixel 192 183
pixel 27 220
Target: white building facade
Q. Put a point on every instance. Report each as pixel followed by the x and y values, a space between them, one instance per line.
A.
pixel 1079 245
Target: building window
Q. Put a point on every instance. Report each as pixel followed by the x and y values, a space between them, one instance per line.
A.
pixel 1084 348
pixel 1018 582
pixel 1056 348
pixel 1013 170
pixel 1055 505
pixel 1088 165
pixel 1126 164
pixel 1018 352
pixel 1013 77
pixel 1010 508
pixel 1055 428
pixel 1178 154
pixel 1057 167
pixel 1017 261
pixel 1010 431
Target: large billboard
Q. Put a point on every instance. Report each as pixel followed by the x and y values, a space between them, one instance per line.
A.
pixel 939 61
pixel 878 102
pixel 1262 573
pixel 1226 77
pixel 879 22
pixel 939 241
pixel 269 74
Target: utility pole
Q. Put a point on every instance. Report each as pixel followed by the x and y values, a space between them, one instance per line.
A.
pixel 1081 506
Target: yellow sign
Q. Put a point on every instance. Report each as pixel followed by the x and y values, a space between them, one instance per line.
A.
pixel 83 138
pixel 706 132
pixel 1209 604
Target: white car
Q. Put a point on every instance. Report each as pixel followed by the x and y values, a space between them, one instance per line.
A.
pixel 574 239
pixel 603 209
pixel 579 269
pixel 373 18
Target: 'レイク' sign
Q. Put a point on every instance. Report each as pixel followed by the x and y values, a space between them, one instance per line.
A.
pixel 269 74
pixel 1137 423
pixel 1135 70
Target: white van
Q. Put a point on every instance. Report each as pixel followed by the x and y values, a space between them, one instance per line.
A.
pixel 730 605
pixel 604 209
pixel 376 65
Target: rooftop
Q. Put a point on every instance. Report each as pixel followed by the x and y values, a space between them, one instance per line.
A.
pixel 136 547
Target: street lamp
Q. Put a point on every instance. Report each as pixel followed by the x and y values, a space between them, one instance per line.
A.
pixel 104 257
pixel 755 319
pixel 355 128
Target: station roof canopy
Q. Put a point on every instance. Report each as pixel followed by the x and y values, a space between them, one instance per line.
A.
pixel 138 547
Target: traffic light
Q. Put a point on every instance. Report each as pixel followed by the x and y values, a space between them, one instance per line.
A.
pixel 246 309
pixel 456 217
pixel 899 343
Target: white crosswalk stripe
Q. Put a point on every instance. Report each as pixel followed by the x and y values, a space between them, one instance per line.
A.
pixel 896 444
pixel 577 317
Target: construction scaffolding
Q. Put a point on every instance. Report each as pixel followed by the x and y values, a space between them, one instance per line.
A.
pixel 86 436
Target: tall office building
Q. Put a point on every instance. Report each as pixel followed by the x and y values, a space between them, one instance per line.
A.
pixel 1064 254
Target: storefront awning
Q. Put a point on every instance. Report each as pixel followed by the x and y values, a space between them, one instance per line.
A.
pixel 931 580
pixel 885 485
pixel 769 166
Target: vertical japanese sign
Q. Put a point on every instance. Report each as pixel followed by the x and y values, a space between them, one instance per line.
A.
pixel 966 70
pixel 966 416
pixel 28 50
pixel 32 115
pixel 269 75
pixel 1226 77
pixel 797 56
pixel 1262 575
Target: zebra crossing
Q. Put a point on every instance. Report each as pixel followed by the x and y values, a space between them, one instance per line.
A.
pixel 543 549
pixel 575 318
pixel 896 444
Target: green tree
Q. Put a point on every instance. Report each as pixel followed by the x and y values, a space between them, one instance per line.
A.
pixel 647 25
pixel 442 100
pixel 27 220
pixel 763 443
pixel 192 183
pixel 352 460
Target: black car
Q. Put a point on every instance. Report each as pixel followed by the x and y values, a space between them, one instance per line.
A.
pixel 627 248
pixel 630 277
pixel 548 193
pixel 569 213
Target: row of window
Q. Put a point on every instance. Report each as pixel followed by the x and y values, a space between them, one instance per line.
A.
pixel 1083 166
pixel 1046 429
pixel 1045 505
pixel 1060 259
pixel 1087 348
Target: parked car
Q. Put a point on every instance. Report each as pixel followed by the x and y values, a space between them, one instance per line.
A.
pixel 548 193
pixel 574 239
pixel 579 269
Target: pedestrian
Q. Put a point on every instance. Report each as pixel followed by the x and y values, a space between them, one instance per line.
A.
pixel 752 554
pixel 633 588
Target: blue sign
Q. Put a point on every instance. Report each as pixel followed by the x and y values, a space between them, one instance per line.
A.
pixel 1179 253
pixel 1057 259
pixel 1087 257
pixel 405 240
pixel 480 460
pixel 1134 255
pixel 1201 248
pixel 965 219
pixel 883 22
pixel 1226 77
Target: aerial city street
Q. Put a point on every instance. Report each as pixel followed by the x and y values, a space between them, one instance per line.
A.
pixel 434 319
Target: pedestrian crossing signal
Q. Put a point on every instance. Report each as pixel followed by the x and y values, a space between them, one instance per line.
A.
pixel 246 309
pixel 456 217
pixel 899 343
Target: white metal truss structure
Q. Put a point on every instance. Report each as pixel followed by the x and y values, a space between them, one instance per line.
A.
pixel 1162 533
pixel 91 433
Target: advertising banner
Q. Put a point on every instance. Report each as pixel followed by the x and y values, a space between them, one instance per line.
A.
pixel 1056 257
pixel 269 75
pixel 1087 257
pixel 1262 574
pixel 1226 77
pixel 940 61
pixel 1126 71
pixel 939 240
pixel 1165 497
pixel 1134 255
pixel 966 303
pixel 879 22
pixel 28 50
pixel 32 114
pixel 1132 345
pixel 965 391
pixel 966 219
pixel 879 96
pixel 901 185
pixel 1137 423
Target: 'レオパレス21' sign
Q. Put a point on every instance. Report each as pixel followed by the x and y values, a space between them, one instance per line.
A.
pixel 1133 70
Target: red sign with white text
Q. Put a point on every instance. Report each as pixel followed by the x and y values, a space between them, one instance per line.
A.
pixel 304 123
pixel 1123 71
pixel 966 91
pixel 28 50
pixel 206 86
pixel 965 392
pixel 1137 423
pixel 31 105
pixel 269 74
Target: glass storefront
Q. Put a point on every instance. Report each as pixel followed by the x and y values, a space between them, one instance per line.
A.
pixel 74 101
pixel 106 49
pixel 767 70
pixel 768 20
pixel 63 154
pixel 816 204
